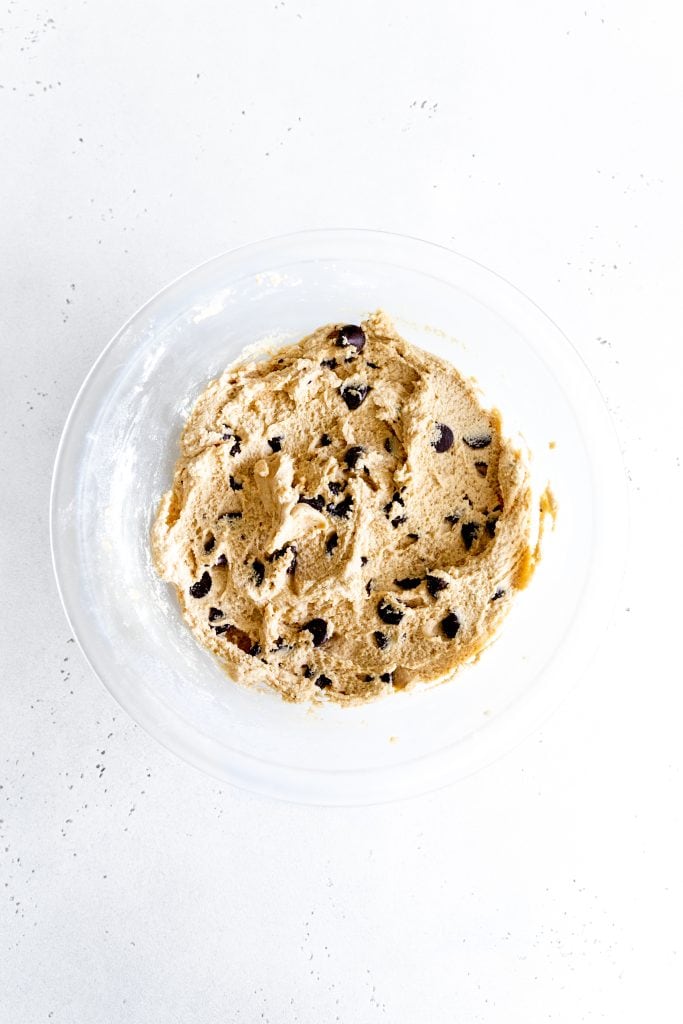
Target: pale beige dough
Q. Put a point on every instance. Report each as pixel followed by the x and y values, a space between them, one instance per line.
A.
pixel 383 505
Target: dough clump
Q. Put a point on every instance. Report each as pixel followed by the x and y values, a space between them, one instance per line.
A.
pixel 345 518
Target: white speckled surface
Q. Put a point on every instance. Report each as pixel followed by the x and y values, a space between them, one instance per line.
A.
pixel 139 139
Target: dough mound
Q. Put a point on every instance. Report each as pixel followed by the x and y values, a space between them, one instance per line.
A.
pixel 345 519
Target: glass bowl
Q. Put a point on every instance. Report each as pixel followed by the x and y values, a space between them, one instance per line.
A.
pixel 116 457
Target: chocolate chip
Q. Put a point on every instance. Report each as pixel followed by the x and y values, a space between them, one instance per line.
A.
pixel 209 543
pixel 491 524
pixel 234 485
pixel 236 448
pixel 373 366
pixel 387 445
pixel 409 583
pixel 352 456
pixel 381 639
pixel 202 587
pixel 482 468
pixel 354 394
pixel 259 571
pixel 317 502
pixel 413 536
pixel 389 613
pixel 331 543
pixel 334 487
pixel 215 613
pixel 450 625
pixel 351 335
pixel 318 630
pixel 291 568
pixel 368 678
pixel 398 520
pixel 435 585
pixel 329 363
pixel 254 649
pixel 398 499
pixel 222 629
pixel 363 560
pixel 455 518
pixel 368 587
pixel 221 560
pixel 307 671
pixel 387 677
pixel 323 681
pixel 477 440
pixel 275 443
pixel 387 509
pixel 343 509
pixel 469 533
pixel 325 441
pixel 443 439
pixel 498 594
pixel 230 515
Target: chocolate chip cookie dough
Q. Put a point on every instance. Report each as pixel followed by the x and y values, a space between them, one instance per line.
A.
pixel 345 518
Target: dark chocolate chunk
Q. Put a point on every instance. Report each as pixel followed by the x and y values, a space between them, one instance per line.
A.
pixel 318 502
pixel 381 639
pixel 413 536
pixel 368 678
pixel 351 335
pixel 455 518
pixel 329 363
pixel 368 587
pixel 254 649
pixel 409 583
pixel 435 585
pixel 477 441
pixel 259 571
pixel 209 543
pixel 275 443
pixel 231 515
pixel 343 509
pixel 363 559
pixel 482 468
pixel 398 520
pixel 222 629
pixel 331 543
pixel 469 533
pixel 352 456
pixel 450 625
pixel 234 485
pixel 323 681
pixel 387 509
pixel 318 630
pixel 335 487
pixel 354 394
pixel 221 560
pixel 491 524
pixel 307 671
pixel 215 613
pixel 325 441
pixel 398 499
pixel 373 366
pixel 443 439
pixel 236 448
pixel 500 592
pixel 387 677
pixel 291 568
pixel 389 613
pixel 202 587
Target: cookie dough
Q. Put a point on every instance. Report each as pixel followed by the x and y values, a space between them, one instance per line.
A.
pixel 345 518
